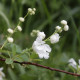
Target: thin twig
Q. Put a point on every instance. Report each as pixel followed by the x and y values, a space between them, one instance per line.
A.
pixel 38 65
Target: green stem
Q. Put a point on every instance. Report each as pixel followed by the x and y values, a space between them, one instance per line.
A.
pixel 5 51
pixel 76 78
pixel 4 44
pixel 26 15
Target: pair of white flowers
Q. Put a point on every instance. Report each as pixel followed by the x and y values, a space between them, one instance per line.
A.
pixel 73 63
pixel 41 48
pixel 1 74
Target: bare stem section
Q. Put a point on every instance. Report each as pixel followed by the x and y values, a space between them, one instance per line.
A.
pixel 49 68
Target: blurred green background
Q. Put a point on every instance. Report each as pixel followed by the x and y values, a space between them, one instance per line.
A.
pixel 48 15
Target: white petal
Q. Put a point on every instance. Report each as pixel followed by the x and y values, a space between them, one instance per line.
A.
pixel 46 57
pixel 47 48
pixel 74 66
pixel 40 56
pixel 54 38
pixel 41 34
pixel 1 68
pixel 72 61
pixel 79 61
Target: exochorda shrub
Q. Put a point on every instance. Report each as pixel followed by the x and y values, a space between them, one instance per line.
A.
pixel 39 46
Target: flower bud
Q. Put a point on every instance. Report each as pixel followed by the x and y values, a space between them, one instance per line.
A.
pixel 21 19
pixel 58 28
pixel 66 28
pixel 10 31
pixel 10 39
pixel 19 28
pixel 64 22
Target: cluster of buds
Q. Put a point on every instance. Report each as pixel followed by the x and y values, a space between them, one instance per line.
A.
pixel 34 32
pixel 21 19
pixel 31 11
pixel 65 26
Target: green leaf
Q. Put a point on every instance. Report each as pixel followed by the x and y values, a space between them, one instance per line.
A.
pixel 24 57
pixel 12 74
pixel 14 49
pixel 37 60
pixel 9 61
pixel 33 55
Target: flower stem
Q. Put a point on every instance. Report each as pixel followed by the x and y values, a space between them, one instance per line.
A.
pixel 14 31
pixel 46 67
pixel 4 44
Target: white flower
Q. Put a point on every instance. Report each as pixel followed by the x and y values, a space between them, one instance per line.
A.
pixel 54 38
pixel 19 28
pixel 58 28
pixel 64 22
pixel 73 63
pixel 41 34
pixel 41 48
pixel 1 74
pixel 10 31
pixel 66 28
pixel 21 19
pixel 10 39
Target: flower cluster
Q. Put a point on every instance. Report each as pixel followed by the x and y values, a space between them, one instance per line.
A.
pixel 1 74
pixel 39 45
pixel 73 63
pixel 31 11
